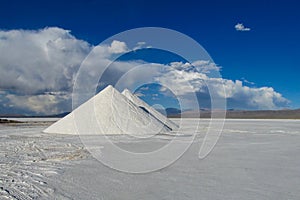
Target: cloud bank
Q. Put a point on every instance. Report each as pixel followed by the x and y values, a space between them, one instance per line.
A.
pixel 238 95
pixel 38 67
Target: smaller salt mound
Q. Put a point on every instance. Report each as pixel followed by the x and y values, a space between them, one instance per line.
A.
pixel 149 109
pixel 108 112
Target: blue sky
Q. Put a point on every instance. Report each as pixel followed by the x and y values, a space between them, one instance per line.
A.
pixel 266 56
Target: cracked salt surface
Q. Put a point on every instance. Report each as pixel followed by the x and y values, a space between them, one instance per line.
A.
pixel 29 160
pixel 250 161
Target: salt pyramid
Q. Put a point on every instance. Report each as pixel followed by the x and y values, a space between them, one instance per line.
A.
pixel 109 112
pixel 137 101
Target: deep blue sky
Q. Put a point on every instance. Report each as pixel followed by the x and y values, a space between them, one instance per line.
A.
pixel 268 55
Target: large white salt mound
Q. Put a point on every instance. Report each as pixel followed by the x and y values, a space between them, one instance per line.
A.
pixel 149 109
pixel 108 112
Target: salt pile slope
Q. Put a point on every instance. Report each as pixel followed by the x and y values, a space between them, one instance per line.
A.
pixel 149 109
pixel 108 112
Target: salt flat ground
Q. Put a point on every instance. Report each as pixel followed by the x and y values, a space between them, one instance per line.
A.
pixel 253 159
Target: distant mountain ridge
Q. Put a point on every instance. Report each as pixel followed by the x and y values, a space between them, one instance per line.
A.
pixel 34 116
pixel 176 113
pixel 244 114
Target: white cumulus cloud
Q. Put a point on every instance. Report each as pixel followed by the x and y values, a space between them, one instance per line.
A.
pixel 241 27
pixel 37 61
pixel 118 47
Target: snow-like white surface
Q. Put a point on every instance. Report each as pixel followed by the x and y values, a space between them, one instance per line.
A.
pixel 108 112
pixel 254 159
pixel 151 110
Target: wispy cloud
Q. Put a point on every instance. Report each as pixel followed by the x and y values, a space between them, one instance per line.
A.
pixel 145 88
pixel 140 94
pixel 139 45
pixel 241 27
pixel 248 82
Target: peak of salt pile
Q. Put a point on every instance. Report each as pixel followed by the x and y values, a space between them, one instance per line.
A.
pixel 149 109
pixel 108 112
